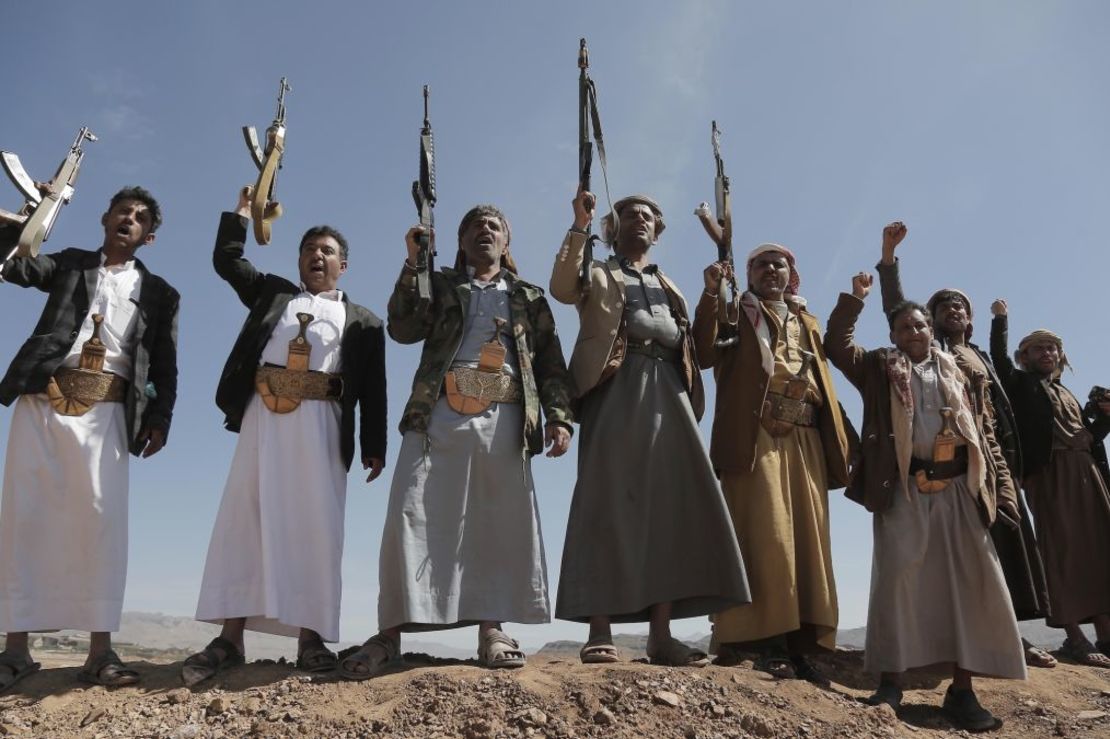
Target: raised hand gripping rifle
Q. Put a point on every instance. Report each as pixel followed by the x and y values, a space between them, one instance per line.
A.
pixel 41 207
pixel 720 231
pixel 587 116
pixel 264 210
pixel 424 195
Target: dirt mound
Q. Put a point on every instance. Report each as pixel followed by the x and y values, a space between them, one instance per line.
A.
pixel 548 698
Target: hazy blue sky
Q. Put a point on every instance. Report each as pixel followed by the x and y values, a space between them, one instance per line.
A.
pixel 982 125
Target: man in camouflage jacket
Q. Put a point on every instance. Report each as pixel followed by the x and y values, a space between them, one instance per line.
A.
pixel 462 543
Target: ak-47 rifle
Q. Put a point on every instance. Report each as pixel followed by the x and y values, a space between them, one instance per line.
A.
pixel 41 207
pixel 720 231
pixel 587 116
pixel 424 195
pixel 264 209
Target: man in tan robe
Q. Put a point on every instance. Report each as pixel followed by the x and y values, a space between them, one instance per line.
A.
pixel 779 443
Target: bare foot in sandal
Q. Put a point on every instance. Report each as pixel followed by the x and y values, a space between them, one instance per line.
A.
pixel 1082 651
pixel 599 650
pixel 220 654
pixel 670 652
pixel 1037 657
pixel 374 657
pixel 497 650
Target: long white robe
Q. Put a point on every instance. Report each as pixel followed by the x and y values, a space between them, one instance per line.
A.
pixel 63 516
pixel 277 544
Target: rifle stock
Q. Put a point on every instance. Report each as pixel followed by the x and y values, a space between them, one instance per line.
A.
pixel 264 209
pixel 42 205
pixel 424 195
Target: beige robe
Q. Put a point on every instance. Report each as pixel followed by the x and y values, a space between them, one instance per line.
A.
pixel 780 511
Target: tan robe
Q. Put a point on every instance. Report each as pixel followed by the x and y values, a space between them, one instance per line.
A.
pixel 780 511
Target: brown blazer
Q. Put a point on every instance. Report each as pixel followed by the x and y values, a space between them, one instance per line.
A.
pixel 880 474
pixel 600 327
pixel 742 388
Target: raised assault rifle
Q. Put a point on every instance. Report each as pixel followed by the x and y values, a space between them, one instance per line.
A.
pixel 264 210
pixel 587 116
pixel 424 195
pixel 720 231
pixel 41 207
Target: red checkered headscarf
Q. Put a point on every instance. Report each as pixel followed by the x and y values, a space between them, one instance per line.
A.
pixel 795 280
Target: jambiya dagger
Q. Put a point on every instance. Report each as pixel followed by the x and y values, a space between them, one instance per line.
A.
pixel 42 201
pixel 264 209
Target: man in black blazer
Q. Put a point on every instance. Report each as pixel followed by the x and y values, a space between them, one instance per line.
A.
pixel 63 523
pixel 305 357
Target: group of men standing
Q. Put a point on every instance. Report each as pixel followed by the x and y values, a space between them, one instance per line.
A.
pixel 950 436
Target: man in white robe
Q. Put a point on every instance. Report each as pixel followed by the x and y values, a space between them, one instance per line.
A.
pixel 274 559
pixel 63 520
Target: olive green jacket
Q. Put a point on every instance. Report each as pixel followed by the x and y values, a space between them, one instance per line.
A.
pixel 439 324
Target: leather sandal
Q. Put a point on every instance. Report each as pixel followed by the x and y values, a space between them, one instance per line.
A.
pixel 220 654
pixel 497 650
pixel 108 670
pixel 14 668
pixel 599 650
pixel 375 656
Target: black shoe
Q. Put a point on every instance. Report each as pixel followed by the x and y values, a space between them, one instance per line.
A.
pixel 887 693
pixel 962 708
pixel 804 670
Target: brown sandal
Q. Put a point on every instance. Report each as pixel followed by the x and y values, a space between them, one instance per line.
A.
pixel 220 654
pixel 108 670
pixel 377 654
pixel 1083 652
pixel 1037 657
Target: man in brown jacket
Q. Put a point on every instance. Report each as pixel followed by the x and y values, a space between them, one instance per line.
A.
pixel 927 472
pixel 779 444
pixel 645 487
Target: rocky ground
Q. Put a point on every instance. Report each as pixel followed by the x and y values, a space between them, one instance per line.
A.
pixel 547 698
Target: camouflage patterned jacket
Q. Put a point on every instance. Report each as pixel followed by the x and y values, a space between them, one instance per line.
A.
pixel 543 371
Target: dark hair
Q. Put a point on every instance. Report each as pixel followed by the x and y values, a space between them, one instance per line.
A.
pixel 479 211
pixel 325 231
pixel 905 307
pixel 134 192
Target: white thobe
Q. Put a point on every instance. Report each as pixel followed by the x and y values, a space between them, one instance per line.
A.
pixel 63 519
pixel 277 545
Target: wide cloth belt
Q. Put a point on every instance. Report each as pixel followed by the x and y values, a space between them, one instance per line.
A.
pixel 941 470
pixel 73 392
pixel 796 412
pixel 485 387
pixel 297 385
pixel 653 349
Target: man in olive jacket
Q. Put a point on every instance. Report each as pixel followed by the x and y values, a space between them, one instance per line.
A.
pixel 462 544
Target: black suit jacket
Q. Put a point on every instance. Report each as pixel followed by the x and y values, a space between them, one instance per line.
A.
pixel 1033 407
pixel 69 276
pixel 362 348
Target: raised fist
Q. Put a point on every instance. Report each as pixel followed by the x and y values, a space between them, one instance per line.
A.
pixel 998 307
pixel 861 285
pixel 714 273
pixel 893 233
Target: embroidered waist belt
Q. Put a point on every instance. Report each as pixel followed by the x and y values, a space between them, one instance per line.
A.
pixel 73 392
pixel 282 389
pixel 793 411
pixel 941 470
pixel 653 349
pixel 484 387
